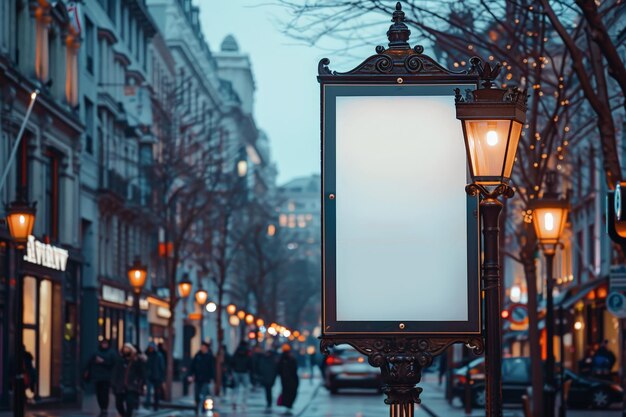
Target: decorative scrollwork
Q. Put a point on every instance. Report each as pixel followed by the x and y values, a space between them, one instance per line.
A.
pixel 504 190
pixel 380 49
pixel 322 66
pixel 401 359
pixel 419 49
pixel 413 63
pixel 384 63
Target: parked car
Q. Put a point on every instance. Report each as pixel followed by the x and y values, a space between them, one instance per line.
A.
pixel 347 368
pixel 584 391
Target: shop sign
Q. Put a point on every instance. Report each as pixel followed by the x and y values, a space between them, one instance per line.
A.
pixel 113 295
pixel 616 304
pixel 46 255
pixel 163 312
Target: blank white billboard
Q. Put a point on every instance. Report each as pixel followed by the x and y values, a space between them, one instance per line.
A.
pixel 401 209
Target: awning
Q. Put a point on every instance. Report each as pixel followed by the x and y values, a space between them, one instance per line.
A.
pixel 576 294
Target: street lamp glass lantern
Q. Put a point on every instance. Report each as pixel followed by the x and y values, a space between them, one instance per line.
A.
pixel 201 296
pixel 249 319
pixel 20 220
pixel 241 314
pixel 184 287
pixel 137 273
pixel 549 217
pixel 492 121
pixel 231 309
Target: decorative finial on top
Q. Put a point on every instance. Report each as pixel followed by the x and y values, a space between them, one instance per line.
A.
pixel 398 33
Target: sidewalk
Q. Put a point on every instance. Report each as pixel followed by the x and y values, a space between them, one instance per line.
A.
pixel 90 408
pixel 183 405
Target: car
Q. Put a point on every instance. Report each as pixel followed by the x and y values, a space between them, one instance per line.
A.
pixel 347 368
pixel 516 379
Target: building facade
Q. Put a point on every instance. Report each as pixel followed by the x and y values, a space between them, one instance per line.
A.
pixel 39 44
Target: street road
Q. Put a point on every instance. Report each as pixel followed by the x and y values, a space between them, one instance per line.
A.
pixel 315 401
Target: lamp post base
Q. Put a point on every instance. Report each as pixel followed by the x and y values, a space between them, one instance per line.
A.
pixel 401 360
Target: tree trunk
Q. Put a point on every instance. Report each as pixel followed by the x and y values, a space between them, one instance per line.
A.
pixel 530 273
pixel 220 342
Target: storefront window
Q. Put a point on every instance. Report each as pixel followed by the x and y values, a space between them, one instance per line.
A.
pixel 41 332
pixel 30 300
pixel 45 337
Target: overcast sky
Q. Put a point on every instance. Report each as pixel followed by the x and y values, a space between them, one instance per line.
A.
pixel 287 96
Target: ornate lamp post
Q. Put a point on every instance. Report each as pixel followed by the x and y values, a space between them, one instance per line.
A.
pixel 137 273
pixel 492 120
pixel 401 86
pixel 549 217
pixel 201 297
pixel 20 219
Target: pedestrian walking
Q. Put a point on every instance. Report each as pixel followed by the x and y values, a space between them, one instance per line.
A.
pixel 155 376
pixel 241 366
pixel 99 371
pixel 127 380
pixel 257 352
pixel 202 373
pixel 287 369
pixel 603 361
pixel 266 372
pixel 228 379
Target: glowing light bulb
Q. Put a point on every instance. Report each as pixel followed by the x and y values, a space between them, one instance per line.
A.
pixel 492 138
pixel 211 307
pixel 549 221
pixel 578 325
pixel 22 219
pixel 137 274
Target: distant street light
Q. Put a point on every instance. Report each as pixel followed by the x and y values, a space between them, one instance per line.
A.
pixel 211 307
pixel 184 289
pixel 249 319
pixel 201 297
pixel 234 321
pixel 20 219
pixel 184 286
pixel 137 273
pixel 241 314
pixel 231 309
pixel 549 217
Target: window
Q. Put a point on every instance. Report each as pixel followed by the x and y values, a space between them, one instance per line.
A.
pixel 89 44
pixel 592 247
pixel 89 119
pixel 42 327
pixel 51 169
pixel 579 256
pixel 111 10
pixel 23 166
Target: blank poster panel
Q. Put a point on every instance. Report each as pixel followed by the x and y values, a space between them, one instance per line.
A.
pixel 401 234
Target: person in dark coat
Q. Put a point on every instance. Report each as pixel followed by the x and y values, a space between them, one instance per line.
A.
pixel 603 361
pixel 202 372
pixel 241 366
pixel 155 375
pixel 127 380
pixel 266 373
pixel 287 369
pixel 99 372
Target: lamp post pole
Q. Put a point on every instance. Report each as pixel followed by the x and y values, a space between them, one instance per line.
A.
pixel 550 386
pixel 137 313
pixel 563 406
pixel 19 400
pixel 491 209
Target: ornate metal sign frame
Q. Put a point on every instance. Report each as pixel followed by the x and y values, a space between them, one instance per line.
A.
pixel 401 357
